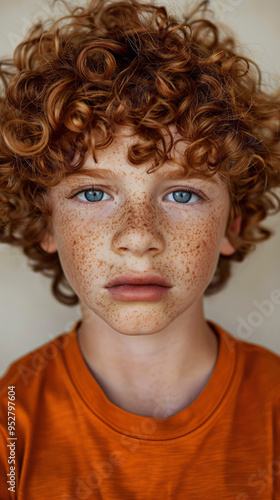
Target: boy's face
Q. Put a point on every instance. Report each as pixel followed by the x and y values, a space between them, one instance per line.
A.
pixel 138 226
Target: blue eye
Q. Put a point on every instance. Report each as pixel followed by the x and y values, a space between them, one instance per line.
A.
pixel 92 195
pixel 182 196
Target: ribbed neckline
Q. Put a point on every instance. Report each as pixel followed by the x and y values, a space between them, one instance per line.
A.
pixel 200 412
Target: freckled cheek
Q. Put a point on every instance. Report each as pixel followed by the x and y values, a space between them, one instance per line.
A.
pixel 196 250
pixel 80 248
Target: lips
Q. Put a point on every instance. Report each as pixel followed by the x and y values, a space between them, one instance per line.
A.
pixel 138 279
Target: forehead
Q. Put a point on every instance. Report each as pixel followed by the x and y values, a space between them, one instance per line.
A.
pixel 112 162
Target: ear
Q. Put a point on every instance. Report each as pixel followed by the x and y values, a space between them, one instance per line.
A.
pixel 233 228
pixel 48 243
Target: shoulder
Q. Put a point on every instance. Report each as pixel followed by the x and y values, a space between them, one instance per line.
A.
pixel 29 372
pixel 38 380
pixel 258 356
pixel 33 383
pixel 258 366
pixel 255 369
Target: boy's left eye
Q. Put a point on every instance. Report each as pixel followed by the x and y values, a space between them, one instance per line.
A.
pixel 182 196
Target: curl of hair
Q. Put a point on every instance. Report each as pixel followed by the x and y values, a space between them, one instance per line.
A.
pixel 72 84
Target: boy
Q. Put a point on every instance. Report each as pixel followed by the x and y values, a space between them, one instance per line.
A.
pixel 138 156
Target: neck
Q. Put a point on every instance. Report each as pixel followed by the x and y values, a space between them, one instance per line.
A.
pixel 159 373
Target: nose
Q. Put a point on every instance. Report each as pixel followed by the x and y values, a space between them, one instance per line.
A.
pixel 140 233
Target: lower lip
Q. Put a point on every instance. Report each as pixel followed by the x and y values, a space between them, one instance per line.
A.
pixel 138 292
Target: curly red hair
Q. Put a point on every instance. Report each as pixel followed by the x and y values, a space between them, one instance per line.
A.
pixel 70 86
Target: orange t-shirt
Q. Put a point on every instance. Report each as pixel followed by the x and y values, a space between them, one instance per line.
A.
pixel 73 443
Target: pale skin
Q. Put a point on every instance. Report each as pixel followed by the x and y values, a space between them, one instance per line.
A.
pixel 150 358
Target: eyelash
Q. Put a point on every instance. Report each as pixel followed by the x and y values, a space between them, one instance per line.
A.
pixel 174 190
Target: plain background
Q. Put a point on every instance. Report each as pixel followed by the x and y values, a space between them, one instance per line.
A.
pixel 30 316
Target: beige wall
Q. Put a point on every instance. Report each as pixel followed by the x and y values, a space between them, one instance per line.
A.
pixel 29 314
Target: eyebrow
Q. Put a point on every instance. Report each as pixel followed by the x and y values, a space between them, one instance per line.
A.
pixel 104 173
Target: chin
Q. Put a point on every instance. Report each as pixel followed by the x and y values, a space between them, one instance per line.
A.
pixel 133 326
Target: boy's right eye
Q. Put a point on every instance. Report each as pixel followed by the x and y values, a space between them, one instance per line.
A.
pixel 91 195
